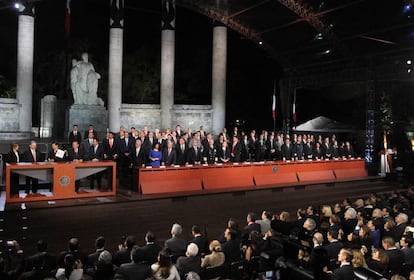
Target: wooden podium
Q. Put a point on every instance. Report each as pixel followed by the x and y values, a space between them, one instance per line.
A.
pixel 227 177
pixel 62 176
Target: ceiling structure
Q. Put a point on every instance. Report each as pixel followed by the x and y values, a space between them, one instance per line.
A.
pixel 302 34
pixel 308 34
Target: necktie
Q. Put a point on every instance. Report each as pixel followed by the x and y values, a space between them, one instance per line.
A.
pixel 195 150
pixel 111 142
pixel 137 151
pixel 126 141
pixel 169 152
pixel 34 155
pixel 74 133
pixel 182 147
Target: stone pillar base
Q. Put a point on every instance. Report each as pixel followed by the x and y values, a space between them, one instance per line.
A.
pixel 83 115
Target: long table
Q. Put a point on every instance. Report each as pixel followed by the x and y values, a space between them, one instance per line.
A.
pixel 62 177
pixel 230 176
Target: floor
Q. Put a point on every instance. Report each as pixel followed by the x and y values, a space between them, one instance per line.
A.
pixel 129 213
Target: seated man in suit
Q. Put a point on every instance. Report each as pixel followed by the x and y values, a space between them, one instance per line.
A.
pixel 53 154
pixel 93 257
pixel 32 155
pixel 135 270
pixel 190 262
pixel 200 241
pixel 151 249
pixel 168 155
pixel 231 248
pixel 251 226
pixel 176 246
pixel 345 271
pixel 41 265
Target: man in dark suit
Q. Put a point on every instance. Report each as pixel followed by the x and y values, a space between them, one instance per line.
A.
pixel 168 155
pixel 41 265
pixel 76 154
pixel 182 152
pixel 308 149
pixel 139 155
pixel 271 147
pixel 401 221
pixel 135 270
pixel 260 148
pixel 111 147
pixel 287 150
pixel 406 244
pixel 333 248
pixel 251 226
pixel 318 258
pixel 298 149
pixel 126 147
pixel 235 150
pixel 51 155
pixel 348 151
pixel 244 148
pixel 346 271
pixel 151 249
pixel 327 149
pixel 87 143
pixel 90 130
pixel 75 135
pixel 100 247
pixel 73 250
pixel 194 153
pixel 124 254
pixel 96 153
pixel 176 246
pixel 200 241
pixel 231 248
pixel 32 155
pixel 395 255
pixel 210 153
pixel 191 261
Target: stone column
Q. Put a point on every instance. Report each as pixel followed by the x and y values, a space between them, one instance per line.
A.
pixel 219 71
pixel 116 39
pixel 25 49
pixel 167 62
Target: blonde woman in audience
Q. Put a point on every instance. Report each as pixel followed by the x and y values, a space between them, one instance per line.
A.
pixel 216 258
pixel 164 269
pixel 358 259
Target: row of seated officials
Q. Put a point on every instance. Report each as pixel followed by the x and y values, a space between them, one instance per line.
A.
pixel 369 238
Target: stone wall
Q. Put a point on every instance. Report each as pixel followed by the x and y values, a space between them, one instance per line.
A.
pixel 9 114
pixel 193 116
pixel 140 115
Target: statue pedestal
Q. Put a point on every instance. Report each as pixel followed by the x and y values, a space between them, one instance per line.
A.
pixel 83 115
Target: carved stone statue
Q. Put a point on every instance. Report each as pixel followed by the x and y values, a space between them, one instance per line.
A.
pixel 84 82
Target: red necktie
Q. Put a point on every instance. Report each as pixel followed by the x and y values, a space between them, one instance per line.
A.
pixel 111 143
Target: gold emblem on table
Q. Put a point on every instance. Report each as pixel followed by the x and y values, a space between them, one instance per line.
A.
pixel 64 181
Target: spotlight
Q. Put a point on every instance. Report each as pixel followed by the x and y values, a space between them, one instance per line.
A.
pixel 409 70
pixel 260 42
pixel 318 36
pixel 327 51
pixel 409 61
pixel 407 8
pixel 19 6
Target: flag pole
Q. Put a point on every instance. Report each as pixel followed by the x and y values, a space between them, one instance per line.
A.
pixel 274 106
